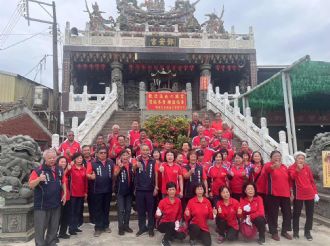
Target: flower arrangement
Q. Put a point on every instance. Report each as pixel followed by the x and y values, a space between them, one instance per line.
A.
pixel 160 128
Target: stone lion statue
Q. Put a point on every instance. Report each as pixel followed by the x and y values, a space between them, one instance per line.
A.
pixel 19 155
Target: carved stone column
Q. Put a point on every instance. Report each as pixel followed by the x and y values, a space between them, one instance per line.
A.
pixel 205 78
pixel 117 78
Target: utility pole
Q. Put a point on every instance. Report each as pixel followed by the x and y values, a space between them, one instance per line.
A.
pixel 53 22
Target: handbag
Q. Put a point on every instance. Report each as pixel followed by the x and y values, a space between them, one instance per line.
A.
pixel 248 231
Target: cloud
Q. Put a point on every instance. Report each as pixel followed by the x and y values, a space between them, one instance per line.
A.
pixel 284 30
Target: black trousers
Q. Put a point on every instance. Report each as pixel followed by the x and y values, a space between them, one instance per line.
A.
pixel 101 210
pixel 124 210
pixel 76 211
pixel 65 218
pixel 309 208
pixel 260 223
pixel 225 230
pixel 263 196
pixel 273 205
pixel 195 233
pixel 145 205
pixel 170 233
pixel 91 207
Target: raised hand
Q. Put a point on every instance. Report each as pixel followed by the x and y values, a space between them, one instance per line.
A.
pixel 42 177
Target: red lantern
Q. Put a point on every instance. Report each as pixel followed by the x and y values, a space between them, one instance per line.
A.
pixel 91 66
pixel 173 68
pixel 228 67
pixel 180 68
pixel 130 67
pixel 137 67
pixel 97 67
pixel 185 67
pixel 168 67
pixel 102 66
pixel 222 68
pixel 156 67
pixel 149 68
pixel 79 66
pixel 85 66
pixel 191 67
pixel 233 67
pixel 162 67
pixel 143 67
pixel 217 67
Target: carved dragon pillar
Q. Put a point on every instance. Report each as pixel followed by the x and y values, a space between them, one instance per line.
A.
pixel 205 79
pixel 117 77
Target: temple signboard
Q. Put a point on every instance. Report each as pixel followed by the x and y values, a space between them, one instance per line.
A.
pixel 162 41
pixel 166 101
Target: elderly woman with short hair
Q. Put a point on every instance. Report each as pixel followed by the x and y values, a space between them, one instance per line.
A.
pixel 305 192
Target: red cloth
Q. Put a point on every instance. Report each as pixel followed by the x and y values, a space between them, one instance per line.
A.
pixel 218 178
pixel 185 159
pixel 259 174
pixel 304 185
pixel 117 149
pixel 78 181
pixel 185 171
pixel 257 207
pixel 217 125
pixel 208 154
pixel 227 135
pixel 278 180
pixel 138 142
pixel 229 212
pixel 170 174
pixel 196 141
pixel 171 212
pixel 200 212
pixel 237 182
pixel 112 140
pixel 209 132
pixel 133 135
pixel 215 143
pixel 74 148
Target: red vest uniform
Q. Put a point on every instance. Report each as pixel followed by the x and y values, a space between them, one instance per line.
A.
pixel 170 174
pixel 278 180
pixel 171 212
pixel 218 178
pixel 229 212
pixel 257 207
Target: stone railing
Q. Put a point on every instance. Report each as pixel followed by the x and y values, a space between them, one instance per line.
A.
pixel 119 38
pixel 244 128
pixel 95 120
pixel 85 102
pixel 145 114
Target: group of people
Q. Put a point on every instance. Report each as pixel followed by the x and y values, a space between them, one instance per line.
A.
pixel 176 192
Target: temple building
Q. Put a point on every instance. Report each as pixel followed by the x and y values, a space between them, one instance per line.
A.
pixel 165 49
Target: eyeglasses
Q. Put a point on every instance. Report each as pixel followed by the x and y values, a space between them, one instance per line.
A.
pixel 102 152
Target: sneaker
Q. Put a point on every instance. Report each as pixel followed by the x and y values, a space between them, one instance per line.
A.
pixel 127 229
pixel 308 236
pixel 97 233
pixel 165 242
pixel 78 230
pixel 107 230
pixel 151 233
pixel 276 237
pixel 286 235
pixel 221 239
pixel 140 232
pixel 261 241
pixel 296 235
pixel 64 236
pixel 57 240
pixel 72 232
pixel 192 242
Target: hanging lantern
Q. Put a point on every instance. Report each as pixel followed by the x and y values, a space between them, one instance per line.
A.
pixel 97 67
pixel 173 67
pixel 168 67
pixel 228 67
pixel 91 67
pixel 79 66
pixel 180 68
pixel 156 67
pixel 191 67
pixel 143 67
pixel 149 68
pixel 223 68
pixel 162 67
pixel 185 67
pixel 102 66
pixel 137 67
pixel 217 67
pixel 130 68
pixel 85 66
pixel 234 67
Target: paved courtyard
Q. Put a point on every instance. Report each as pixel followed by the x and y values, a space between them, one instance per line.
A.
pixel 320 233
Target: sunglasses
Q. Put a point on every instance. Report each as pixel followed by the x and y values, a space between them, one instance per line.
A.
pixel 102 152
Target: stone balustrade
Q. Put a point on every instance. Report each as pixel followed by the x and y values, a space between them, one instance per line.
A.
pixel 257 137
pixel 119 38
pixel 86 102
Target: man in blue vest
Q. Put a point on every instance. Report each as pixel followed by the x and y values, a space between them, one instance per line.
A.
pixel 146 188
pixel 100 172
pixel 47 183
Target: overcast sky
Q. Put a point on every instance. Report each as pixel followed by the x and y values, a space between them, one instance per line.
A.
pixel 285 30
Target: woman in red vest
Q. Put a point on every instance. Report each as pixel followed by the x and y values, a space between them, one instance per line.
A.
pixel 278 195
pixel 305 192
pixel 227 211
pixel 253 210
pixel 237 176
pixel 197 213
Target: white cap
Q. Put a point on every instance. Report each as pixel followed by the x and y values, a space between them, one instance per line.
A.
pixel 298 153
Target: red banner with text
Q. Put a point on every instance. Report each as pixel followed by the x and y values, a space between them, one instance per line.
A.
pixel 167 101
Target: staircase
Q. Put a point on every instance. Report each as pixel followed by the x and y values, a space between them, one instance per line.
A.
pixel 122 118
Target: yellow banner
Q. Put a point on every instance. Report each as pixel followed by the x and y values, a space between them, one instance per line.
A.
pixel 326 168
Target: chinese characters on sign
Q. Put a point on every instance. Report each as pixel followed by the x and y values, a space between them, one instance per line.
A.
pixel 204 83
pixel 162 41
pixel 167 101
pixel 326 168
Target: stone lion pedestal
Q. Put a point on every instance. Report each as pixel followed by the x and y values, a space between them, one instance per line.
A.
pixel 17 223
